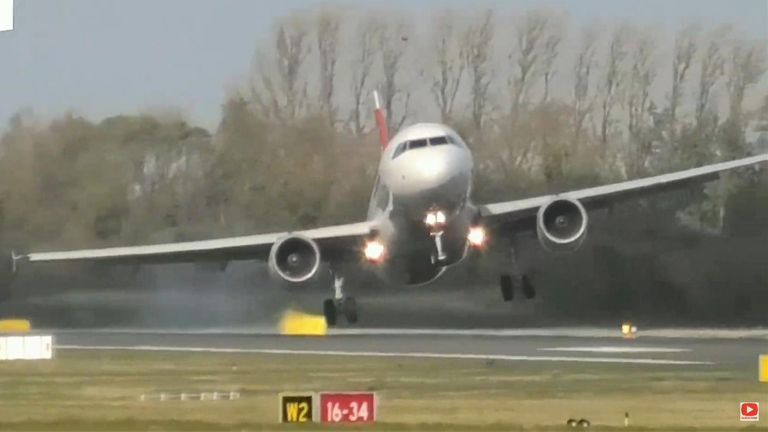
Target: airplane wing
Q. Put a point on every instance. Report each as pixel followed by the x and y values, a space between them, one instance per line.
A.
pixel 603 196
pixel 331 239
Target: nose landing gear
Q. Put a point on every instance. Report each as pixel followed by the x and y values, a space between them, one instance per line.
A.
pixel 339 304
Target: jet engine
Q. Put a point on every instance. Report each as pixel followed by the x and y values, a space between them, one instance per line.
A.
pixel 562 225
pixel 294 259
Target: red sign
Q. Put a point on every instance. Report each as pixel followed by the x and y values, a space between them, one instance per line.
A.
pixel 750 411
pixel 347 407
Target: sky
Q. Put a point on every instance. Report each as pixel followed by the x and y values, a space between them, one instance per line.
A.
pixel 103 57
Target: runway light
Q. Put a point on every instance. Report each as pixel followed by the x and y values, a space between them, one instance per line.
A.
pixel 374 251
pixel 476 236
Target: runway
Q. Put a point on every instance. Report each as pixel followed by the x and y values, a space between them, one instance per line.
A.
pixel 539 345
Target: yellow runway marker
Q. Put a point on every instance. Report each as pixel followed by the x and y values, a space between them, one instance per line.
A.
pixel 15 326
pixel 764 368
pixel 296 323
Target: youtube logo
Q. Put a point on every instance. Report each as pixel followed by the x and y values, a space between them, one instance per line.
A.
pixel 750 411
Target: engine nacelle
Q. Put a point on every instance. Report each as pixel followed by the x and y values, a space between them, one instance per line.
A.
pixel 561 225
pixel 294 259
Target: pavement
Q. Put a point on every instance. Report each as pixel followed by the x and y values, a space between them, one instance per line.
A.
pixel 663 347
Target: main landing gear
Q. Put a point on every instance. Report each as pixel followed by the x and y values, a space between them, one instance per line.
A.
pixel 508 282
pixel 339 304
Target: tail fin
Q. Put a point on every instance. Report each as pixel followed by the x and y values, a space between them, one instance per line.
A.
pixel 381 121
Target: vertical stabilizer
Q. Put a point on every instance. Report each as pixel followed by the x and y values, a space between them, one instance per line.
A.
pixel 381 121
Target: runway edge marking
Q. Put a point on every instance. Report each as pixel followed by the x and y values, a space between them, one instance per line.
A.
pixel 501 357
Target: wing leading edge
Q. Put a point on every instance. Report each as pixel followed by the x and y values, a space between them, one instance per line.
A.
pixel 600 196
pixel 225 249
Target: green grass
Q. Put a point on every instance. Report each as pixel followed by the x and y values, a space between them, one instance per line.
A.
pixel 100 390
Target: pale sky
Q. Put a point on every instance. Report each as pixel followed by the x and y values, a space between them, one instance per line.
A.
pixel 104 57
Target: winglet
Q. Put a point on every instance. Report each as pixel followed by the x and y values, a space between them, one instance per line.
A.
pixel 381 121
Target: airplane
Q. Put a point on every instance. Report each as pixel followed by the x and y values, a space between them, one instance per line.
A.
pixel 421 221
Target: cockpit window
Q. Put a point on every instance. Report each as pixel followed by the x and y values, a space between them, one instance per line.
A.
pixel 400 149
pixel 438 140
pixel 423 142
pixel 417 144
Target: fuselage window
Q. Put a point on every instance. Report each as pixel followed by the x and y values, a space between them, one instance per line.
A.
pixel 417 144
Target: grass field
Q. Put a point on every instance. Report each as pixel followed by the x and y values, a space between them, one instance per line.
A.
pixel 100 390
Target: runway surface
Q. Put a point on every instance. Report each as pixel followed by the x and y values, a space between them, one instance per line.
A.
pixel 665 349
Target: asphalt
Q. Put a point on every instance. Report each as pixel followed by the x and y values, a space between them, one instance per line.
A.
pixel 692 348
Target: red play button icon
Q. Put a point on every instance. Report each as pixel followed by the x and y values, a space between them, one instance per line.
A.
pixel 750 411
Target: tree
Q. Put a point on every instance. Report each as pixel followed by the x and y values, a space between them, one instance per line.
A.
pixel 327 38
pixel 277 86
pixel 685 49
pixel 612 81
pixel 641 76
pixel 361 64
pixel 449 63
pixel 392 44
pixel 477 38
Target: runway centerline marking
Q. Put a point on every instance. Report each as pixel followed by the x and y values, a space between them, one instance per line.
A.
pixel 501 357
pixel 616 349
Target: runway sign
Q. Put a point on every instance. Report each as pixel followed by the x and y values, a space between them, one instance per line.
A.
pixel 295 323
pixel 764 368
pixel 348 407
pixel 6 15
pixel 296 407
pixel 26 347
pixel 15 326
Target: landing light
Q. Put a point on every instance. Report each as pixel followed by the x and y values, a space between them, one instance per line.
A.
pixel 374 250
pixel 476 236
pixel 434 218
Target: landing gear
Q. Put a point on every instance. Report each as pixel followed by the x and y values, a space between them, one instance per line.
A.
pixel 528 290
pixel 508 282
pixel 339 304
pixel 507 291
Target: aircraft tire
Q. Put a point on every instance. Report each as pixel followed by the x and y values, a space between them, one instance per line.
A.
pixel 507 288
pixel 528 289
pixel 329 311
pixel 349 308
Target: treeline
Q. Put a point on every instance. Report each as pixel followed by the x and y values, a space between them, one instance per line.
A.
pixel 545 105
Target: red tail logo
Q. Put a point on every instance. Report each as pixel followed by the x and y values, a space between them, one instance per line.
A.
pixel 381 121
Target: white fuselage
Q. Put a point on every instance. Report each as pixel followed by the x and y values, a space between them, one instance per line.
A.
pixel 426 167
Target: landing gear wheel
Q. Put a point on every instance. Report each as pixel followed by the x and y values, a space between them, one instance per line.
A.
pixel 528 290
pixel 349 309
pixel 505 283
pixel 329 310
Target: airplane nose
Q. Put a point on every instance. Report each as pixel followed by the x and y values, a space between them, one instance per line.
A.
pixel 430 169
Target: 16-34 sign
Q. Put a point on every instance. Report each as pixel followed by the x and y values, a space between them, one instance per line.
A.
pixel 347 407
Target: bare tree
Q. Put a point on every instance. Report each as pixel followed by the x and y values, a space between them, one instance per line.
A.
pixel 530 38
pixel 548 62
pixel 277 87
pixel 361 65
pixel 612 81
pixel 450 52
pixel 392 43
pixel 685 50
pixel 712 69
pixel 747 66
pixel 641 76
pixel 478 38
pixel 582 71
pixel 327 38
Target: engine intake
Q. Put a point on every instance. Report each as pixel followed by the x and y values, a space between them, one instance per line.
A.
pixel 561 225
pixel 295 258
